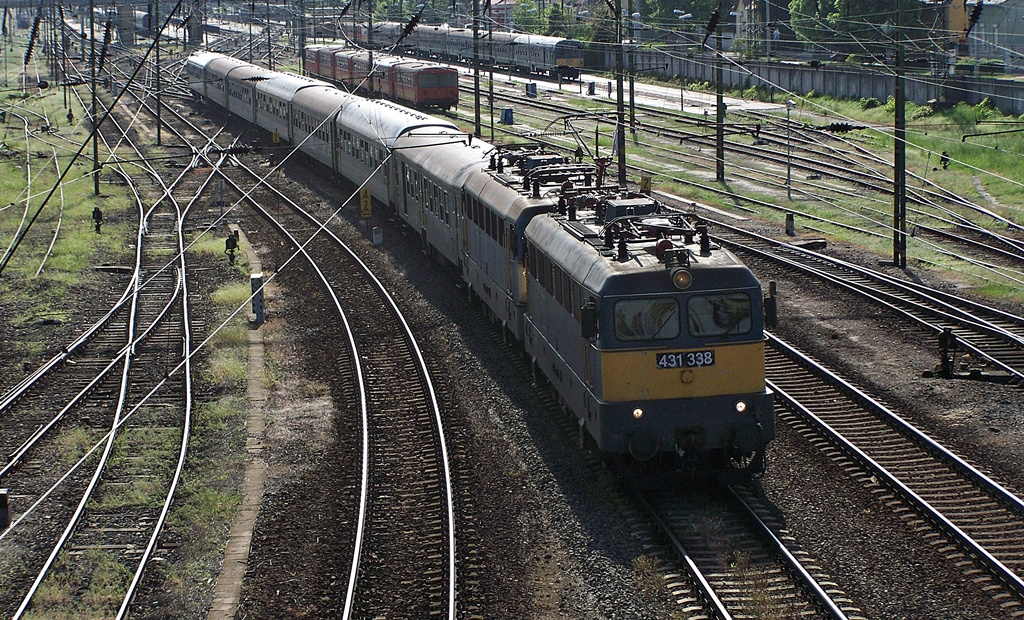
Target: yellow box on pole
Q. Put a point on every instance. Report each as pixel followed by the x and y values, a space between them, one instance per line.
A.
pixel 645 184
pixel 365 202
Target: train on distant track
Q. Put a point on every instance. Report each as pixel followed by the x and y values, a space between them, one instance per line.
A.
pixel 398 78
pixel 514 51
pixel 648 332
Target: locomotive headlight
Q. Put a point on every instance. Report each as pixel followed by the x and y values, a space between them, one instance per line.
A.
pixel 741 406
pixel 638 413
pixel 681 278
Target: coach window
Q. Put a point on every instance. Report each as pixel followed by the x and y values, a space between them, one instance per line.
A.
pixel 566 292
pixel 646 319
pixel 543 271
pixel 513 239
pixel 575 302
pixel 718 315
pixel 559 287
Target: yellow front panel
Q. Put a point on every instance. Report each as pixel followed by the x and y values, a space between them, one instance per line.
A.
pixel 633 375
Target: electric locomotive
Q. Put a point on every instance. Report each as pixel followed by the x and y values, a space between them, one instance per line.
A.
pixel 651 334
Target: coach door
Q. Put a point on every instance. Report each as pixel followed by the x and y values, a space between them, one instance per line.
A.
pixel 508 238
pixel 405 191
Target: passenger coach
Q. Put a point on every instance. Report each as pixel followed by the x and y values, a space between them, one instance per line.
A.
pixel 413 82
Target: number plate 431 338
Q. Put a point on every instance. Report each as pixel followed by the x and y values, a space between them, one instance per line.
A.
pixel 687 359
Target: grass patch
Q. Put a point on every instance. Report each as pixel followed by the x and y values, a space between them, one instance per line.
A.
pixel 76 442
pixel 232 295
pixel 315 389
pixel 218 415
pixel 144 457
pixel 231 335
pixel 224 370
pixel 649 578
pixel 61 596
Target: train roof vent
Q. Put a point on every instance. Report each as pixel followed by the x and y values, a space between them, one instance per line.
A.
pixel 535 161
pixel 581 230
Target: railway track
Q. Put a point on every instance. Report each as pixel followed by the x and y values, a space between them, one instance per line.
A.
pixel 987 333
pixel 980 523
pixel 128 402
pixel 404 541
pixel 727 543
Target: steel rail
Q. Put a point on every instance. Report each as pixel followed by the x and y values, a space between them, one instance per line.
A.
pixel 867 400
pixel 411 338
pixel 97 472
pixel 180 289
pixel 363 399
pixel 705 587
pixel 794 564
pixel 16 458
pixel 1006 575
pixel 60 219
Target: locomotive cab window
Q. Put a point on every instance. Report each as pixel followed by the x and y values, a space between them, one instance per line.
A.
pixel 646 319
pixel 719 315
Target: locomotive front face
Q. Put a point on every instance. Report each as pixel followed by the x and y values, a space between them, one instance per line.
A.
pixel 683 372
pixel 666 354
pixel 689 346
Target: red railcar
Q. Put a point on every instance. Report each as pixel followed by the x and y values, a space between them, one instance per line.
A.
pixel 415 82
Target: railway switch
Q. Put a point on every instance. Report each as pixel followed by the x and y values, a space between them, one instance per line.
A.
pixel 949 369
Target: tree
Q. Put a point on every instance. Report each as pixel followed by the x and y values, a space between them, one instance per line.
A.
pixel 527 18
pixel 661 11
pixel 558 23
pixel 851 25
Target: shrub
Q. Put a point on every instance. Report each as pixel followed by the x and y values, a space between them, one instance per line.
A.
pixel 869 103
pixel 966 116
pixel 915 112
pixel 985 106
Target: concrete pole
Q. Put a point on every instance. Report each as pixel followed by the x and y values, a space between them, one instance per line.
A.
pixel 620 128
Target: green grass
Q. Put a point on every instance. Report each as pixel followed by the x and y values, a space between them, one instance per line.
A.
pixel 232 295
pixel 67 274
pixel 76 442
pixel 225 370
pixel 61 597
